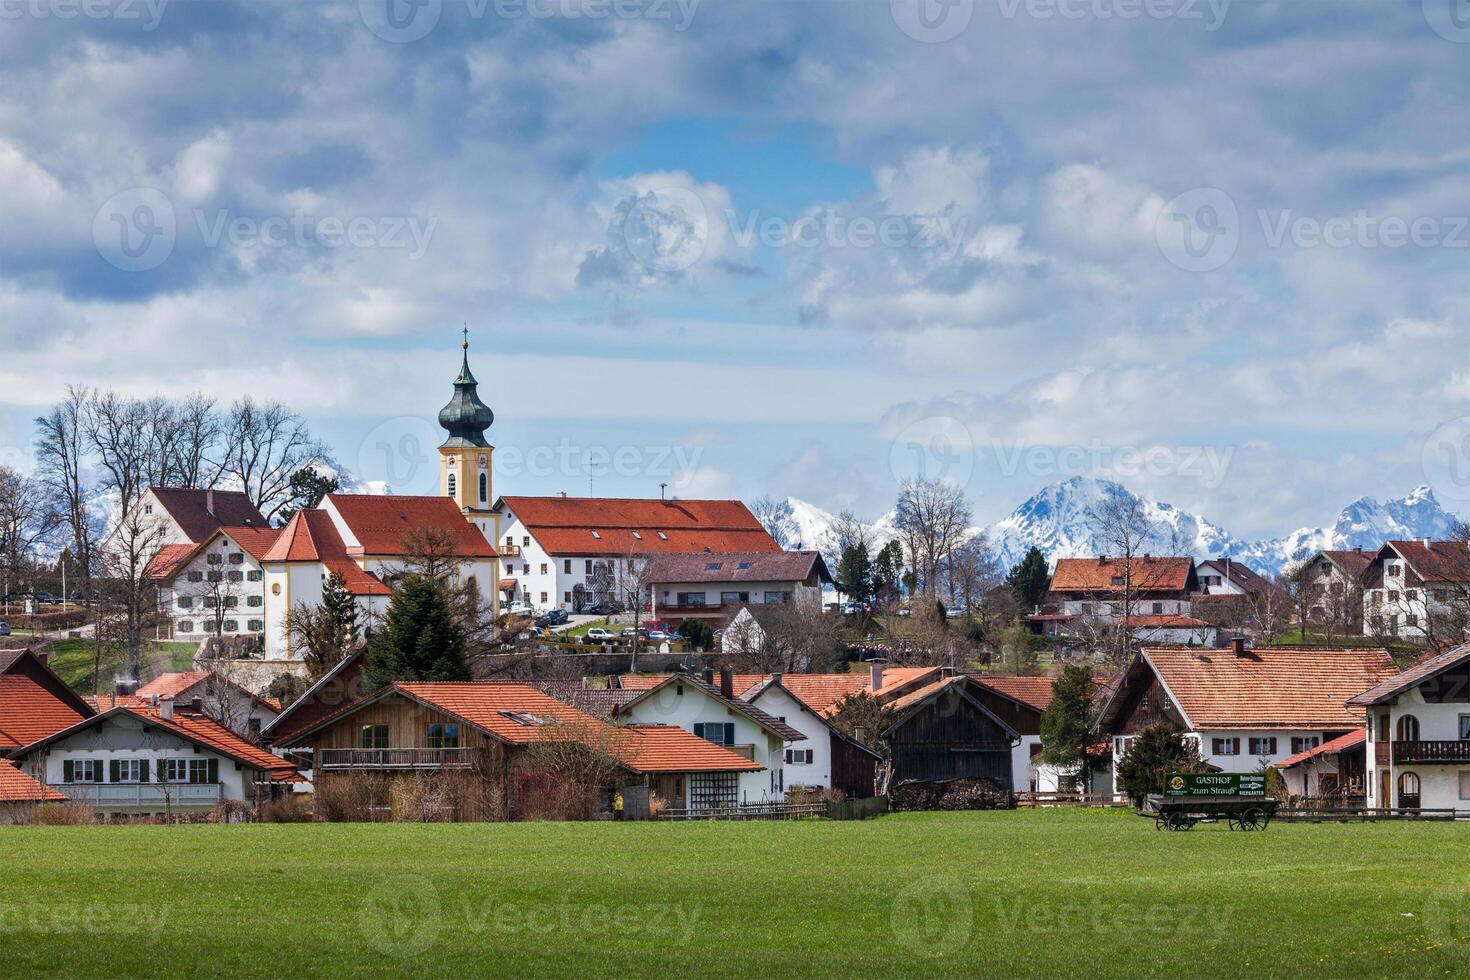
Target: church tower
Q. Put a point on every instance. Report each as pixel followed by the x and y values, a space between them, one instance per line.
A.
pixel 464 458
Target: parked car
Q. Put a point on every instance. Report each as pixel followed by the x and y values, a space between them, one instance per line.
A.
pixel 4 628
pixel 520 608
pixel 658 636
pixel 958 612
pixel 605 609
pixel 599 634
pixel 552 617
pixel 629 633
pixel 48 598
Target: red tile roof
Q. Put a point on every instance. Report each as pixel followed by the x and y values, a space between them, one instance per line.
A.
pixel 1268 688
pixel 169 560
pixel 1242 575
pixel 381 523
pixel 668 748
pixel 172 685
pixel 1415 673
pixel 311 536
pixel 745 566
pixel 819 692
pixel 1351 562
pixel 1351 739
pixel 190 509
pixel 17 787
pixel 767 721
pixel 1035 692
pixel 1167 622
pixel 1149 574
pixel 1438 561
pixel 565 525
pixel 29 711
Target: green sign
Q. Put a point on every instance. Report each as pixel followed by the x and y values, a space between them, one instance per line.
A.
pixel 1215 784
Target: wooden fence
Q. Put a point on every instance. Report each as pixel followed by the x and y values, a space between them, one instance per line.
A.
pixel 1329 814
pixel 1026 801
pixel 873 806
pixel 845 810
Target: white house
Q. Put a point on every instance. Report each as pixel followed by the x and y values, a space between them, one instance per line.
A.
pixel 1092 593
pixel 1418 734
pixel 153 759
pixel 1410 583
pixel 369 541
pixel 186 516
pixel 242 711
pixel 215 587
pixel 574 552
pixel 1333 770
pixel 1243 707
pixel 716 714
pixel 1333 582
pixel 826 758
pixel 715 586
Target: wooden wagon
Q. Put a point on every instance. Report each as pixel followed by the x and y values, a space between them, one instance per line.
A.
pixel 1182 813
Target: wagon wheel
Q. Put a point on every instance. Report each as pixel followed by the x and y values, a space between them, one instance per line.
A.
pixel 1161 821
pixel 1252 818
pixel 1178 821
pixel 1234 823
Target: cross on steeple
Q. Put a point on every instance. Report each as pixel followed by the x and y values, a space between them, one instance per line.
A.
pixel 466 336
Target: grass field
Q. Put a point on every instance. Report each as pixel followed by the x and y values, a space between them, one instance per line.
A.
pixel 74 660
pixel 1029 893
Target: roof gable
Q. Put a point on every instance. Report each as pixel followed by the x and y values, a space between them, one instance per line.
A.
pixel 199 512
pixel 381 525
pixel 767 721
pixel 566 525
pixel 1415 674
pixel 743 566
pixel 1147 573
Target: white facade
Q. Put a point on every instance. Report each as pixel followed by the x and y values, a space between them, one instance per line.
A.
pixel 1203 635
pixel 687 705
pixel 569 582
pixel 288 584
pixel 1239 750
pixel 1408 718
pixel 811 764
pixel 1396 607
pixel 1108 610
pixel 223 574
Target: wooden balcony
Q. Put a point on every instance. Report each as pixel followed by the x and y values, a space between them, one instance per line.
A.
pixel 1418 753
pixel 396 758
pixel 150 795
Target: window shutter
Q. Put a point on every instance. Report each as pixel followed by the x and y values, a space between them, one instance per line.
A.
pixel 115 767
pixel 729 733
pixel 143 770
pixel 214 770
pixel 788 755
pixel 699 729
pixel 1235 746
pixel 68 771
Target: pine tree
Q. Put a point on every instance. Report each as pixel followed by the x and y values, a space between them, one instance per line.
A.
pixel 340 608
pixel 887 571
pixel 1067 722
pixel 1157 752
pixel 420 640
pixel 1030 580
pixel 855 573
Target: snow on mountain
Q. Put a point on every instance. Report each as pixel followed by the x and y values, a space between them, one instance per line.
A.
pixel 1062 520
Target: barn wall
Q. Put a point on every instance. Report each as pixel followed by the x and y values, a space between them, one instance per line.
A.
pixel 950 738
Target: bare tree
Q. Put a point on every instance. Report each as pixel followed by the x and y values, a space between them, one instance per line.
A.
pixel 934 519
pixel 845 532
pixel 262 446
pixel 26 519
pixel 971 571
pixel 194 444
pixel 60 457
pixel 135 542
pixel 777 517
pixel 218 593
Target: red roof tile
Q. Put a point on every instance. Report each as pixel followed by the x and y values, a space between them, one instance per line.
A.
pixel 1351 562
pixel 1167 622
pixel 1419 671
pixel 311 536
pixel 17 787
pixel 1355 737
pixel 190 509
pixel 381 523
pixel 667 748
pixel 29 712
pixel 746 566
pixel 1438 561
pixel 565 525
pixel 172 685
pixel 1269 687
pixel 1149 574
pixel 169 560
pixel 1033 691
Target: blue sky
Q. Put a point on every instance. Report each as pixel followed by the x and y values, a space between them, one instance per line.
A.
pixel 800 248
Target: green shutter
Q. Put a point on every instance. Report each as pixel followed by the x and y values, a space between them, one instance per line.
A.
pixel 214 770
pixel 143 770
pixel 699 729
pixel 68 771
pixel 116 772
pixel 729 733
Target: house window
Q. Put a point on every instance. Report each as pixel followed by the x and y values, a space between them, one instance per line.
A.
pixel 215 559
pixel 734 597
pixel 721 733
pixel 196 576
pixel 1408 728
pixel 443 736
pixel 777 596
pixel 566 566
pixel 211 602
pixel 1465 784
pixel 799 757
pixel 453 487
pixel 1263 746
pixel 543 568
pixel 232 601
pixel 1304 743
pixel 484 486
pixel 252 576
pixel 255 600
pixel 1394 571
pixel 127 770
pixel 372 737
pixel 82 771
pixel 174 770
pixel 1465 726
pixel 186 626
pixel 1158 608
pixel 237 558
pixel 235 575
pixel 566 597
pixel 689 599
pixel 543 598
pixel 232 626
pixel 712 790
pixel 215 576
pixel 661 535
pixel 257 625
pixel 1226 746
pixel 186 602
pixel 589 566
pixel 202 771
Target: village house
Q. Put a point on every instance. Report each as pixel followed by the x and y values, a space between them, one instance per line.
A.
pixel 944 731
pixel 242 711
pixel 1417 734
pixel 1088 594
pixel 713 587
pixel 153 759
pixel 215 587
pixel 1332 771
pixel 708 707
pixel 1334 590
pixel 473 737
pixel 1416 589
pixel 186 517
pixel 34 701
pixel 573 553
pixel 1244 708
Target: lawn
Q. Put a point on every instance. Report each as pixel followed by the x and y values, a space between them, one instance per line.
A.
pixel 73 660
pixel 1023 893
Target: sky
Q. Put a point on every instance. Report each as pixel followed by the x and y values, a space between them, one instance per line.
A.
pixel 1215 250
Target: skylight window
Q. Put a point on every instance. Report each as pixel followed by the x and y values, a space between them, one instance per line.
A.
pixel 713 566
pixel 597 535
pixel 743 565
pixel 638 536
pixel 524 718
pixel 662 536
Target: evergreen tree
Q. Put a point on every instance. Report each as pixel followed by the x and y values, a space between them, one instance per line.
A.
pixel 1067 723
pixel 855 573
pixel 887 571
pixel 697 634
pixel 340 608
pixel 307 489
pixel 420 640
pixel 1157 752
pixel 1030 580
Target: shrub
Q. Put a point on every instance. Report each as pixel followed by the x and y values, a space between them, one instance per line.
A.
pixel 798 795
pixel 656 806
pixel 65 815
pixel 1160 749
pixel 47 620
pixel 351 798
pixel 291 808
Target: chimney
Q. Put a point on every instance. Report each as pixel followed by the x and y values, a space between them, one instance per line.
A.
pixel 44 657
pixel 209 502
pixel 857 733
pixel 1237 645
pixel 124 687
pixel 776 678
pixel 875 675
pixel 1426 543
pixel 727 683
pixel 1102 559
pixel 166 708
pixel 197 705
pixel 709 676
pixel 561 493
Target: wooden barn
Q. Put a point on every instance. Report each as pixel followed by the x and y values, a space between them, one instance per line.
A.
pixel 945 732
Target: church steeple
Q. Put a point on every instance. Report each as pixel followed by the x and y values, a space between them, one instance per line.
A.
pixel 465 417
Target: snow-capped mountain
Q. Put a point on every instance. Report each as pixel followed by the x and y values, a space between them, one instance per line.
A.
pixel 1062 520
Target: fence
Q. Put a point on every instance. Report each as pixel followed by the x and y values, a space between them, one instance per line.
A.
pixel 1026 801
pixel 1326 814
pixel 750 811
pixel 873 806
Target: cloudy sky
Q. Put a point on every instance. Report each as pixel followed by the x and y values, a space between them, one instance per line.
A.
pixel 808 247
